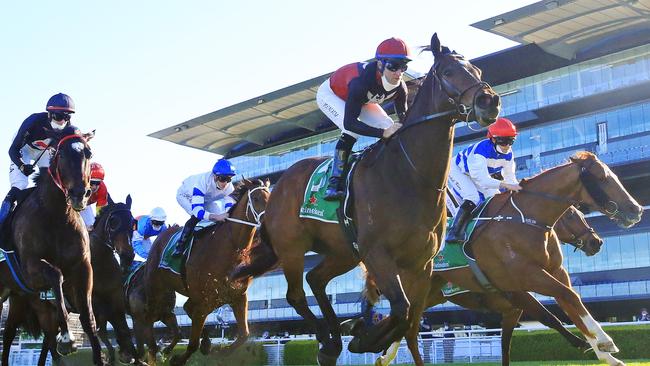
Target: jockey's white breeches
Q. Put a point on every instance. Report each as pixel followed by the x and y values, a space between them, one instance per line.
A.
pixel 216 207
pixel 463 187
pixel 28 155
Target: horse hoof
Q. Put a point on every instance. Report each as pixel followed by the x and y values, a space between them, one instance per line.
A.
pixel 125 359
pixel 325 359
pixel 176 361
pixel 355 345
pixel 608 347
pixel 66 348
pixel 167 350
pixel 205 347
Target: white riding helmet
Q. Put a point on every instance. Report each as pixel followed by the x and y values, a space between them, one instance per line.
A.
pixel 158 214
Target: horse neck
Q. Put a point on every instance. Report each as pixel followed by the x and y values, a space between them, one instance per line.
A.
pixel 242 235
pixel 51 197
pixel 429 145
pixel 558 182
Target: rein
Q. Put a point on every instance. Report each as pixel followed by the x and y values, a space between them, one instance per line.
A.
pixel 56 176
pixel 257 216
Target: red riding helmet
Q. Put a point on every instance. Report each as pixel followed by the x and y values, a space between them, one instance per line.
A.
pixel 96 171
pixel 503 127
pixel 393 48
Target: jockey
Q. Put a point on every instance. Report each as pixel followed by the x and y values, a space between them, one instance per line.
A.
pixel 352 99
pixel 470 175
pixel 99 195
pixel 148 226
pixel 205 196
pixel 31 146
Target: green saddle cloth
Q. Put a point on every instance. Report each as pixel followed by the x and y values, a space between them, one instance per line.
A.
pixel 314 205
pixel 450 289
pixel 175 264
pixel 453 255
pixel 135 267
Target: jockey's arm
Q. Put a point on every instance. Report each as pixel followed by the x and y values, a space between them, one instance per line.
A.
pixel 198 204
pixel 478 171
pixel 508 172
pixel 20 140
pixel 354 103
pixel 401 101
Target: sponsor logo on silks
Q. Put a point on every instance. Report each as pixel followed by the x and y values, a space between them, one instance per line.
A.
pixel 313 200
pixel 312 211
pixel 41 144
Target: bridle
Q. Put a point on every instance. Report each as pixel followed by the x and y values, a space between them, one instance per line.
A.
pixel 250 209
pixel 109 232
pixel 56 175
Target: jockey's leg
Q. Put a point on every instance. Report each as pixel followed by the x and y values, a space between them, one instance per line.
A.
pixel 336 186
pixel 186 235
pixel 457 230
pixel 8 204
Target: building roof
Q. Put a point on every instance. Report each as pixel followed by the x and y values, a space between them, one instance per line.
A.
pixel 566 28
pixel 552 32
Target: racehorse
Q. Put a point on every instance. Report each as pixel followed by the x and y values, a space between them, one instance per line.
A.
pixel 206 282
pixel 398 209
pixel 523 253
pixel 112 234
pixel 51 240
pixel 571 228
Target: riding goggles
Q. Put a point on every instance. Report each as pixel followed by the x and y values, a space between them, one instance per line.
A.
pixel 157 223
pixel 95 182
pixel 396 66
pixel 61 116
pixel 504 141
pixel 224 178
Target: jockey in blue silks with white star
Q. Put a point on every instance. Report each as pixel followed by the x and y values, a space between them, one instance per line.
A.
pixel 148 226
pixel 471 173
pixel 205 196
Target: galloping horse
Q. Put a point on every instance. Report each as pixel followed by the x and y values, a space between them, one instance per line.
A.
pixel 571 228
pixel 206 282
pixel 398 208
pixel 51 240
pixel 113 230
pixel 523 254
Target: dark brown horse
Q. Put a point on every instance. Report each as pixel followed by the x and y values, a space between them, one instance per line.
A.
pixel 398 209
pixel 571 228
pixel 206 281
pixel 112 234
pixel 523 254
pixel 51 240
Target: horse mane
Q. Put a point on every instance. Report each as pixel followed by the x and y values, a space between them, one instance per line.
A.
pixel 578 157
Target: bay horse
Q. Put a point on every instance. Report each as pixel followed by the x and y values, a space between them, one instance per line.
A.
pixel 523 254
pixel 112 234
pixel 571 228
pixel 398 209
pixel 51 240
pixel 206 282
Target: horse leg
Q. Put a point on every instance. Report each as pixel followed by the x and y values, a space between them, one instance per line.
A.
pixel 54 279
pixel 198 322
pixel 103 336
pixel 529 304
pixel 508 324
pixel 83 303
pixel 169 319
pixel 293 267
pixel 540 281
pixel 318 278
pixel 240 310
pixel 391 329
pixel 9 334
pixel 123 337
pixel 206 342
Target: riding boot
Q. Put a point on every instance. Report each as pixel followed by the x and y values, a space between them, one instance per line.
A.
pixel 335 186
pixel 456 232
pixel 8 204
pixel 186 235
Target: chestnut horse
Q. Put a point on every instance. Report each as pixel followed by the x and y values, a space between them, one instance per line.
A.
pixel 51 240
pixel 112 234
pixel 571 228
pixel 206 282
pixel 523 254
pixel 398 209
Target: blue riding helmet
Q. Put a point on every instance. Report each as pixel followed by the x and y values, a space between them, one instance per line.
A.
pixel 223 167
pixel 60 103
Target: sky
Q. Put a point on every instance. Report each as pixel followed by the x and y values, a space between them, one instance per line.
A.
pixel 136 67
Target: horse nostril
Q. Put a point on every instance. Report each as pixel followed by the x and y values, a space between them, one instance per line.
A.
pixel 88 193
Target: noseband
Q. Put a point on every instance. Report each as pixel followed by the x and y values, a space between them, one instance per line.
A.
pixel 56 175
pixel 257 216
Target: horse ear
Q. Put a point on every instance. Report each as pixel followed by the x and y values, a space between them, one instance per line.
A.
pixel 435 45
pixel 267 182
pixel 128 201
pixel 246 181
pixel 110 200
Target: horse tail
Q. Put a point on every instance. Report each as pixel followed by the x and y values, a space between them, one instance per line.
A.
pixel 261 258
pixel 370 290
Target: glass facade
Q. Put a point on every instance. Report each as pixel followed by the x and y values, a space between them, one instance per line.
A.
pixel 617 135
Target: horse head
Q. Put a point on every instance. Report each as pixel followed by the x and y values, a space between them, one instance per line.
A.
pixel 464 90
pixel 114 229
pixel 253 195
pixel 601 189
pixel 70 167
pixel 572 228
